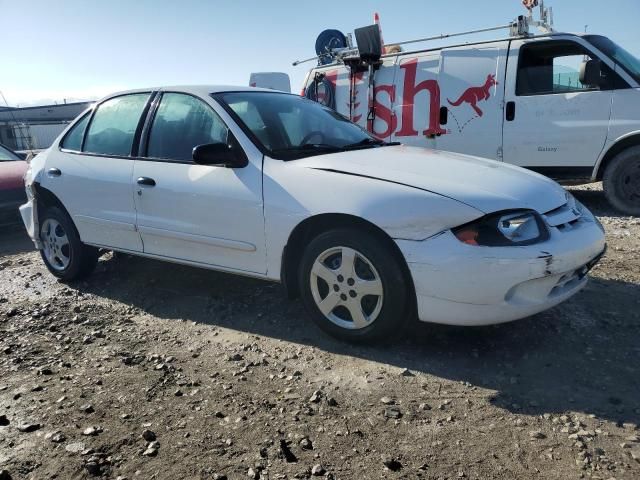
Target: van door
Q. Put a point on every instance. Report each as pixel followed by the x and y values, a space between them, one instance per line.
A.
pixel 472 87
pixel 553 122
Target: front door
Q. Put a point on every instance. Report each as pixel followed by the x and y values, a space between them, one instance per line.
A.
pixel 471 91
pixel 91 172
pixel 205 214
pixel 552 120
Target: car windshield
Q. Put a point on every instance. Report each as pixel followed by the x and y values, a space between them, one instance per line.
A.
pixel 629 62
pixel 7 155
pixel 290 127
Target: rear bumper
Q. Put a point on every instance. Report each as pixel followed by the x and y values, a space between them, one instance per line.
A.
pixel 459 284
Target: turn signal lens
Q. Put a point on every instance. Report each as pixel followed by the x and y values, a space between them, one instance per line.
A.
pixel 468 236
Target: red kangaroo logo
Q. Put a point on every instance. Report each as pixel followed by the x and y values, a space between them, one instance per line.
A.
pixel 473 95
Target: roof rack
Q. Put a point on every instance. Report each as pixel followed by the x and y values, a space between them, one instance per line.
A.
pixel 520 27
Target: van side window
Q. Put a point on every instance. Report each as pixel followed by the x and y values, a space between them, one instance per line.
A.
pixel 181 123
pixel 73 139
pixel 114 125
pixel 550 67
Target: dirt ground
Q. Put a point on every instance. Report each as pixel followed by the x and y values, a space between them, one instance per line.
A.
pixel 157 371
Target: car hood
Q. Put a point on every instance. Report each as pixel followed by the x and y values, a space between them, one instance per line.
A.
pixel 486 185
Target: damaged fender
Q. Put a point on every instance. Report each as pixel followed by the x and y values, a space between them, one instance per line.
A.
pixel 29 211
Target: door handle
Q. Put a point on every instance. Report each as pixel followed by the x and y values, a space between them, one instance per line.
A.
pixel 149 182
pixel 54 172
pixel 510 111
pixel 444 115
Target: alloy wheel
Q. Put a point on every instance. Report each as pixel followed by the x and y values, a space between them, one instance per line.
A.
pixel 346 288
pixel 55 244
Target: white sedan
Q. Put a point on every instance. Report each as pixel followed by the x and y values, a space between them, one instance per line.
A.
pixel 271 185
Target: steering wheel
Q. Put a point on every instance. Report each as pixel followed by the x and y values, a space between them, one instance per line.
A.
pixel 310 135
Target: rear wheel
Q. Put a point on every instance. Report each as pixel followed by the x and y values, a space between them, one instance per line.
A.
pixel 621 181
pixel 353 287
pixel 62 251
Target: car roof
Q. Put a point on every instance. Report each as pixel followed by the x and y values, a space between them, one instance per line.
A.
pixel 198 90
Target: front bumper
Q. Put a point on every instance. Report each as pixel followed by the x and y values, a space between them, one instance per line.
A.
pixel 460 284
pixel 29 214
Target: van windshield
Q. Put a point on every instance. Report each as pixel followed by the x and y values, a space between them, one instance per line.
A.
pixel 629 62
pixel 290 127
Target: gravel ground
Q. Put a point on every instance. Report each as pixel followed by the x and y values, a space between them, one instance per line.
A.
pixel 157 371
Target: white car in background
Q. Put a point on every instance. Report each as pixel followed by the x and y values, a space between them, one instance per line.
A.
pixel 278 187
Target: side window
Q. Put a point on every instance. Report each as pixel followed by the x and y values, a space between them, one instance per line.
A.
pixel 566 73
pixel 550 67
pixel 181 123
pixel 73 139
pixel 114 124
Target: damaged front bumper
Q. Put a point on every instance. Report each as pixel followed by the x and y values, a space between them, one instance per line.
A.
pixel 460 284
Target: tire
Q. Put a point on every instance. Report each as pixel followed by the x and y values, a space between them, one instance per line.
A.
pixel 621 181
pixel 63 253
pixel 356 317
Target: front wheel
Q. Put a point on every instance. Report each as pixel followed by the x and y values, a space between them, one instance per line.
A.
pixel 353 287
pixel 63 253
pixel 621 181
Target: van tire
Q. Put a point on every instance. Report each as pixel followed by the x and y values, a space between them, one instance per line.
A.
pixel 387 319
pixel 64 255
pixel 621 181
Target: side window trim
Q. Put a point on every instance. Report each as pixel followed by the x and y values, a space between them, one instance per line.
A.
pixel 137 132
pixel 87 113
pixel 146 131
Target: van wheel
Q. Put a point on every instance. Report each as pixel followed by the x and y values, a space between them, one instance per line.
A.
pixel 621 181
pixel 62 251
pixel 353 287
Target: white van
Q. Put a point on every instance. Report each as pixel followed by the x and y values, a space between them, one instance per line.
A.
pixel 565 105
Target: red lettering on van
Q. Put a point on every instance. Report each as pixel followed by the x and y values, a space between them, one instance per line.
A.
pixel 409 93
pixel 384 113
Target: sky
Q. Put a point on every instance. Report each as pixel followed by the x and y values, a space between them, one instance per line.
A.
pixel 84 49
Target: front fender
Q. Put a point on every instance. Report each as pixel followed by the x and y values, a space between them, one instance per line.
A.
pixel 292 195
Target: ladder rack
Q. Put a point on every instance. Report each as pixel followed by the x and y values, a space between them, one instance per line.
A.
pixel 517 28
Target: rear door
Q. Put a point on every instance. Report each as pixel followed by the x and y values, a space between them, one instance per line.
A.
pixel 90 172
pixel 206 214
pixel 553 122
pixel 471 83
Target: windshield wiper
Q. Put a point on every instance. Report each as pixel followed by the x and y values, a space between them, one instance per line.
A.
pixel 309 147
pixel 368 142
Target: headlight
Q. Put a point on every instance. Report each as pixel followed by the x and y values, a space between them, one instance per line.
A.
pixel 503 229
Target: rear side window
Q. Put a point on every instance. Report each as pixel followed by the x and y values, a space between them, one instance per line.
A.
pixel 181 123
pixel 73 139
pixel 114 125
pixel 550 67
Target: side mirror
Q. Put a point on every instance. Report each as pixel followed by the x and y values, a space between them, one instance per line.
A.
pixel 222 154
pixel 591 73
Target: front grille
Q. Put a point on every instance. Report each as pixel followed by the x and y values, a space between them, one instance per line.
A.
pixel 564 217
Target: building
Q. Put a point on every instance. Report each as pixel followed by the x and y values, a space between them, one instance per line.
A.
pixel 34 128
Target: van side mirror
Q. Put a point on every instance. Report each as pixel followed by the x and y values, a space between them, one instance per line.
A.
pixel 222 154
pixel 591 73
